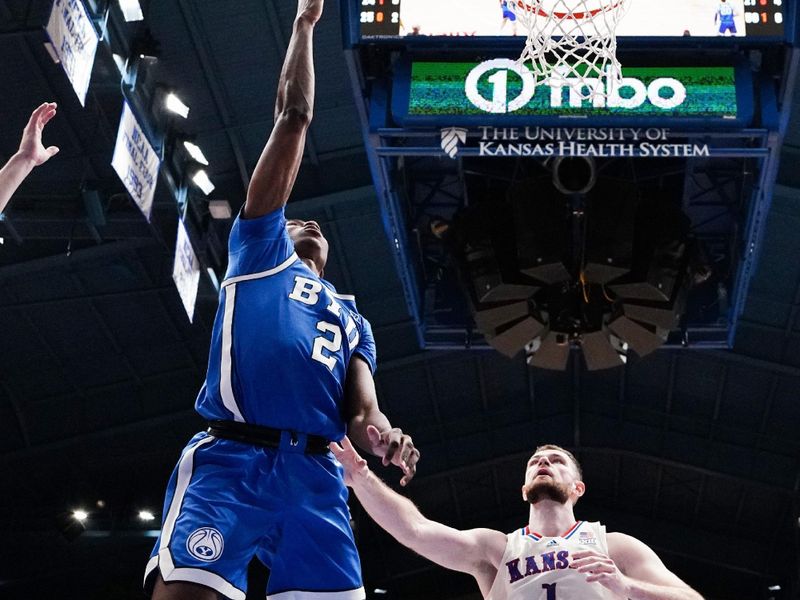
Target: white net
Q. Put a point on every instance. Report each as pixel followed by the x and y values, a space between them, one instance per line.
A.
pixel 573 43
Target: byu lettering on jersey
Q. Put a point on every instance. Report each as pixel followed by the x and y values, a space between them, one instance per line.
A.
pixel 269 294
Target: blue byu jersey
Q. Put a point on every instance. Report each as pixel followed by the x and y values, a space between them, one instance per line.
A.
pixel 282 337
pixel 726 13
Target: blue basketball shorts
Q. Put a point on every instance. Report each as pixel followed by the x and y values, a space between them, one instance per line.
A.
pixel 228 501
pixel 727 26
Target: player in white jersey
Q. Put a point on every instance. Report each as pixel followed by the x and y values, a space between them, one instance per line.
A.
pixel 554 557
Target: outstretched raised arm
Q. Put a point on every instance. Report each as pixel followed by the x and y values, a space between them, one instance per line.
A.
pixel 475 551
pixel 31 153
pixel 277 168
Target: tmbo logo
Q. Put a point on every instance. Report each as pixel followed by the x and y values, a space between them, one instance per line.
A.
pixel 637 93
pixel 452 137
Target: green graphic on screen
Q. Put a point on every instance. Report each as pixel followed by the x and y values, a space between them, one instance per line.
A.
pixel 438 88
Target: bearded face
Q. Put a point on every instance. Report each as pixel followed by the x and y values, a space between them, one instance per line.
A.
pixel 551 475
pixel 546 489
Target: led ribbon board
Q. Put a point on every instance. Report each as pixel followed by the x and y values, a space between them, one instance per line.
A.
pixel 415 20
pixel 502 90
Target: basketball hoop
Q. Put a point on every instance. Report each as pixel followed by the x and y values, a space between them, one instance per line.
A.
pixel 573 43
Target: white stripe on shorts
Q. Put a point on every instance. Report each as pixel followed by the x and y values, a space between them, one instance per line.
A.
pixel 165 563
pixel 357 594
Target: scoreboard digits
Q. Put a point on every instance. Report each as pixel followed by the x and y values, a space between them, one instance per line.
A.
pixel 764 17
pixel 380 17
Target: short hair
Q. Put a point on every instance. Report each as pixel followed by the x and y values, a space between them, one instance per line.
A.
pixel 569 454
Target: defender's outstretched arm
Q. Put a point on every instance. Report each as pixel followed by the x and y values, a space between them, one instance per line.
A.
pixel 475 551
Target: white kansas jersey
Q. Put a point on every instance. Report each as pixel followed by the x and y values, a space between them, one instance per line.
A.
pixel 536 567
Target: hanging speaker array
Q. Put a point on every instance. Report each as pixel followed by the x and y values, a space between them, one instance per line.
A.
pixel 570 260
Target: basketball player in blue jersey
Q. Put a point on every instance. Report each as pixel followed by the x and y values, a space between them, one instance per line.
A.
pixel 290 368
pixel 508 16
pixel 552 557
pixel 725 16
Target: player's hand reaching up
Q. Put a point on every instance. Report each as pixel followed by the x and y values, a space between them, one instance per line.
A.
pixel 31 147
pixel 395 448
pixel 309 10
pixel 354 465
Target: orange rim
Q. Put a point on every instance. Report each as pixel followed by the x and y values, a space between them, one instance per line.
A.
pixel 574 16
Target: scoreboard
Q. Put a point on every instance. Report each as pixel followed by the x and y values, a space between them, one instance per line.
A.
pixel 379 18
pixel 764 17
pixel 409 19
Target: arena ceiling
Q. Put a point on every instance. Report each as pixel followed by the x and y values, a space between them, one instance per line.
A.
pixel 695 453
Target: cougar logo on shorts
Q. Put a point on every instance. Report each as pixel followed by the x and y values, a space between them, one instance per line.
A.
pixel 205 544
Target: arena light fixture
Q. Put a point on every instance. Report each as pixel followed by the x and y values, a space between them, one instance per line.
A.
pixel 195 152
pixel 175 105
pixel 71 524
pixel 201 180
pixel 146 515
pixel 131 10
pixel 80 515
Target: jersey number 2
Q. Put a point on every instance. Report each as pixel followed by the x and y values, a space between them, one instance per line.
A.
pixel 332 345
pixel 550 588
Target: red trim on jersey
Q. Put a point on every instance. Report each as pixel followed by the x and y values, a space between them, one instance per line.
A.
pixel 537 536
pixel 572 530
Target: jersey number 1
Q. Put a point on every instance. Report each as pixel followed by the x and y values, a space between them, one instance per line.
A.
pixel 550 588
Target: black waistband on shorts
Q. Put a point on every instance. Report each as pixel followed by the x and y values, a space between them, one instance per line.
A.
pixel 268 437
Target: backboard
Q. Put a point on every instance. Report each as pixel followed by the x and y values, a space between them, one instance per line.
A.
pixel 456 135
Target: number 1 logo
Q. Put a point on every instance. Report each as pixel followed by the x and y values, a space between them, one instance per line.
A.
pixel 499 80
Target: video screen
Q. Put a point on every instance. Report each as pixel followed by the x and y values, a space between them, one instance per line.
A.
pixel 438 88
pixel 643 18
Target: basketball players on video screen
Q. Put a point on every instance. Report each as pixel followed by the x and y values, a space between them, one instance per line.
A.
pixel 725 17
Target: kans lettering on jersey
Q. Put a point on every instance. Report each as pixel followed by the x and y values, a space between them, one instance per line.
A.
pixel 549 561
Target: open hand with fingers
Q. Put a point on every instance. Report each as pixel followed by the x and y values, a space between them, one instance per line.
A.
pixel 354 465
pixel 31 148
pixel 601 569
pixel 395 448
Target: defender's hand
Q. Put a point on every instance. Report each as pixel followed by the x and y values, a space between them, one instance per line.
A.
pixel 31 148
pixel 601 569
pixel 354 465
pixel 396 448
